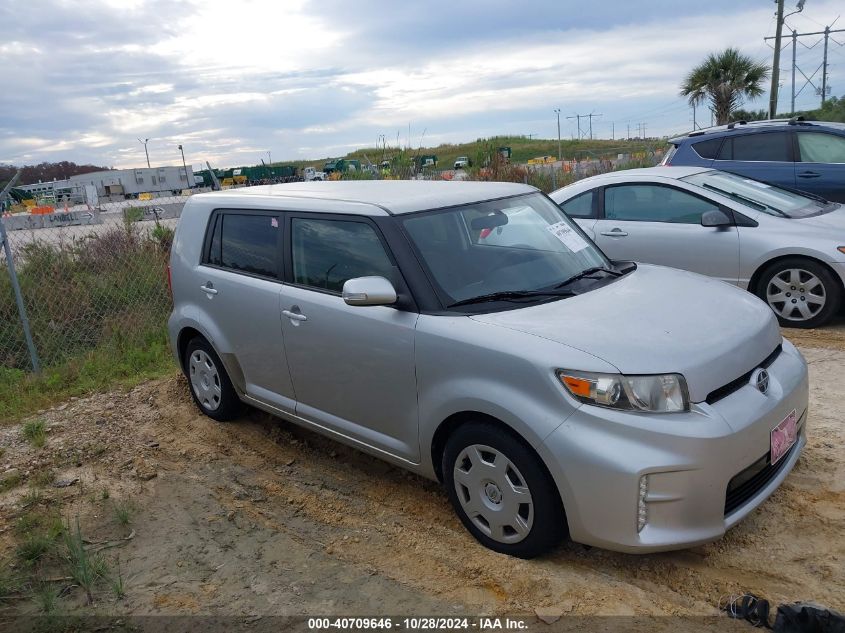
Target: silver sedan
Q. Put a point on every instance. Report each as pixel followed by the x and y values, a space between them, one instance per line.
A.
pixel 785 246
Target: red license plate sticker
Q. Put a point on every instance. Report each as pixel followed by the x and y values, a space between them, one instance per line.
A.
pixel 784 436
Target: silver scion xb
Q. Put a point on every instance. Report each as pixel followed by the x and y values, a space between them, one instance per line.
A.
pixel 785 246
pixel 472 333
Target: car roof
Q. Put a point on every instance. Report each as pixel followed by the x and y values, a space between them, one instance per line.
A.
pixel 392 196
pixel 625 175
pixel 718 131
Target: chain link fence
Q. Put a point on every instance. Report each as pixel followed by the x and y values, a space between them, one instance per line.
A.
pixel 89 278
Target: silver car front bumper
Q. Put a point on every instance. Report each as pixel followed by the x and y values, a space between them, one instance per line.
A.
pixel 598 457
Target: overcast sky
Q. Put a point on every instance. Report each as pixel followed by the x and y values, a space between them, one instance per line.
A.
pixel 234 80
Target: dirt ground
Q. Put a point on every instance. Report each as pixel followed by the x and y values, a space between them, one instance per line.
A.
pixel 261 517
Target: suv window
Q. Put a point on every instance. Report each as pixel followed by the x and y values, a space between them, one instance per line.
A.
pixel 581 206
pixel 821 148
pixel 708 148
pixel 769 147
pixel 654 203
pixel 326 253
pixel 246 242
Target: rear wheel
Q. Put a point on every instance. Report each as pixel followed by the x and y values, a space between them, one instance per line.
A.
pixel 501 491
pixel 211 387
pixel 802 293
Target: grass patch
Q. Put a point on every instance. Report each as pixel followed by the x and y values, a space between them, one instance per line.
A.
pixel 35 433
pixel 42 478
pixel 87 568
pixel 31 498
pixel 10 583
pixel 118 587
pixel 10 481
pixel 46 598
pixel 34 546
pixel 124 364
pixel 123 511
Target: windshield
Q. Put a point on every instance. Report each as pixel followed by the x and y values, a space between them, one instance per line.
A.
pixel 759 195
pixel 517 244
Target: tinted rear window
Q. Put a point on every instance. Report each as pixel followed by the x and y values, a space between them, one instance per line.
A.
pixel 772 146
pixel 708 148
pixel 247 243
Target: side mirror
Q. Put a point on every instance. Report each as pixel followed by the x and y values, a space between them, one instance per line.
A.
pixel 715 218
pixel 369 291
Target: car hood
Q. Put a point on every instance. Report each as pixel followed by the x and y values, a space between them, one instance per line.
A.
pixel 658 320
pixel 831 221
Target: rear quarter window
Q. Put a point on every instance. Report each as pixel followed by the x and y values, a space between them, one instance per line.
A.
pixel 247 243
pixel 707 149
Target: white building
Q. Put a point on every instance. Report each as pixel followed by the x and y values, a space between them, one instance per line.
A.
pixel 115 184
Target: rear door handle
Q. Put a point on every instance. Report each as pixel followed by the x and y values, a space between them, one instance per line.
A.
pixel 296 316
pixel 809 174
pixel 615 233
pixel 208 288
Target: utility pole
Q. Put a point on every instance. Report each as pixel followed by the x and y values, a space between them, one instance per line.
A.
pixel 144 143
pixel 794 42
pixel 590 116
pixel 557 112
pixel 694 124
pixel 185 167
pixel 629 131
pixel 773 94
pixel 612 130
pixel 577 117
pixel 822 91
pixel 824 64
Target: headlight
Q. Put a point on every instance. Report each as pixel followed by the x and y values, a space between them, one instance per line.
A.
pixel 663 393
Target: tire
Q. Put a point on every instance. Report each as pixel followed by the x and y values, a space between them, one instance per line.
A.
pixel 801 292
pixel 209 383
pixel 487 504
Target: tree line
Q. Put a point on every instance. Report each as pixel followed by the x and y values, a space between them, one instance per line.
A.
pixel 45 172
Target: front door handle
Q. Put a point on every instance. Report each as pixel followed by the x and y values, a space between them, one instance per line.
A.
pixel 295 316
pixel 809 174
pixel 615 233
pixel 209 288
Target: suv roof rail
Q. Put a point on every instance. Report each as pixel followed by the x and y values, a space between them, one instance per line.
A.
pixel 735 123
pixel 798 120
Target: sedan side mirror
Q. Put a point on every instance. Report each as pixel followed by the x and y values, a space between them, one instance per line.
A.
pixel 715 218
pixel 369 291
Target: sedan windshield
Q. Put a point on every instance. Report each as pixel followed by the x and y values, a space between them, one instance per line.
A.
pixel 518 248
pixel 759 195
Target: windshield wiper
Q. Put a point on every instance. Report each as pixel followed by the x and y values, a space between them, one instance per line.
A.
pixel 510 295
pixel 589 271
pixel 760 206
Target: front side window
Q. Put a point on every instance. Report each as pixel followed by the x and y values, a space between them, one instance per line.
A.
pixel 246 243
pixel 654 203
pixel 821 148
pixel 327 253
pixel 581 206
pixel 520 244
pixel 768 147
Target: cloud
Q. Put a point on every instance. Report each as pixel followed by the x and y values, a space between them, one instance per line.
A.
pixel 231 81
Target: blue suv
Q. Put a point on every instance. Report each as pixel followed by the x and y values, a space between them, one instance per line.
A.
pixel 793 153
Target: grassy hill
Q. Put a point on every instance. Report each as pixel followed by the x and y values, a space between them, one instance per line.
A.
pixel 522 149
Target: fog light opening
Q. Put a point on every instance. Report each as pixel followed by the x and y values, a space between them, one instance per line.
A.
pixel 642 509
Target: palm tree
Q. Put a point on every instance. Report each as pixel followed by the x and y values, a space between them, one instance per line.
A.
pixel 724 79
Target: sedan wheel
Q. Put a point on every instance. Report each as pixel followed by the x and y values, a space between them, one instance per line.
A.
pixel 801 292
pixel 493 493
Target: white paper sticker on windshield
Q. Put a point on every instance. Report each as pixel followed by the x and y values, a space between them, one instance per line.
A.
pixel 566 234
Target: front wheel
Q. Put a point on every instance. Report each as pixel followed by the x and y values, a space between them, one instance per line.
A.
pixel 802 293
pixel 501 491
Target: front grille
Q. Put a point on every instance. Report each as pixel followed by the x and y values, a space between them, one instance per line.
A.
pixel 735 385
pixel 753 479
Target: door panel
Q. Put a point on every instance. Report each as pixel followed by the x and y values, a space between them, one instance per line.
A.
pixel 822 167
pixel 678 240
pixel 352 366
pixel 353 369
pixel 239 285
